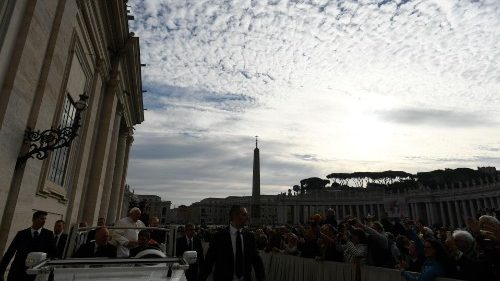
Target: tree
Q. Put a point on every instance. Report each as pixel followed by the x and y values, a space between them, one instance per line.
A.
pixel 313 184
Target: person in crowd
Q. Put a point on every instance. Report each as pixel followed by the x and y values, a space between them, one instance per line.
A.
pixel 437 262
pixel 91 234
pixel 126 239
pixel 415 259
pixel 379 252
pixel 486 231
pixel 157 235
pixel 98 247
pixel 328 235
pixel 260 239
pixel 354 248
pixel 32 239
pixel 290 247
pixel 275 243
pixel 308 246
pixel 386 223
pixel 82 236
pixel 144 242
pixel 60 238
pixel 233 252
pixel 190 242
pixel 330 218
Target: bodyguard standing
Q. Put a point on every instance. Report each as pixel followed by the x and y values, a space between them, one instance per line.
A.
pixel 60 238
pixel 233 252
pixel 32 239
pixel 189 242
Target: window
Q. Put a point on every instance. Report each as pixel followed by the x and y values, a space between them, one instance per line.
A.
pixel 60 156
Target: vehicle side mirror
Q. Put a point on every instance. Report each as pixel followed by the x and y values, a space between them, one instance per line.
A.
pixel 35 258
pixel 190 256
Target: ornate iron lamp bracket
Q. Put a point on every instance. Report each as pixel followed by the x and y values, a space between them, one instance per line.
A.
pixel 42 142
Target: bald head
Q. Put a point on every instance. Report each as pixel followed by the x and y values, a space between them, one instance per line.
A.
pixel 101 236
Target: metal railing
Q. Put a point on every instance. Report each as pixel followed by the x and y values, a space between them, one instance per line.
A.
pixel 292 268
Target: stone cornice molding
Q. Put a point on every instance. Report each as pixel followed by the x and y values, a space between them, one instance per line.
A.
pixel 100 66
pixel 130 139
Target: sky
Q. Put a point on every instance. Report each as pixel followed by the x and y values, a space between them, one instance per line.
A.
pixel 327 85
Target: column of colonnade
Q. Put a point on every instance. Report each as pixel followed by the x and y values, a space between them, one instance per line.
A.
pixel 449 212
pixel 110 170
pixel 302 212
pixel 113 214
pixel 92 204
pixel 130 140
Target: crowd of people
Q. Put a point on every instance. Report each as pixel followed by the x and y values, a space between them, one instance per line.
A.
pixel 471 253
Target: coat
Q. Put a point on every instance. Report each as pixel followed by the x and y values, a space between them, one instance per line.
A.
pixel 21 246
pixel 220 254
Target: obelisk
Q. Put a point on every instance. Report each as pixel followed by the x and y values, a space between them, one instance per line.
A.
pixel 256 186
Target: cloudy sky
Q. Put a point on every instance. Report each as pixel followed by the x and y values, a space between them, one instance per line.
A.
pixel 327 85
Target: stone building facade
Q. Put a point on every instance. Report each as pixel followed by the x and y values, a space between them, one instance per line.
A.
pixel 447 204
pixel 155 207
pixel 216 210
pixel 51 52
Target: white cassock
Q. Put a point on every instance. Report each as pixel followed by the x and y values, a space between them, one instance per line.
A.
pixel 120 237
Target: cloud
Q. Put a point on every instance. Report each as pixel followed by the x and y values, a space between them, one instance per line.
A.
pixel 437 117
pixel 328 85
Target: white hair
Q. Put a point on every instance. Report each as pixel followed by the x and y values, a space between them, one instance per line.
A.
pixel 427 231
pixel 464 236
pixel 133 210
pixel 489 220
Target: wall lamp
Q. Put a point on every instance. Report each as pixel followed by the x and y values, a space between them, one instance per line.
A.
pixel 42 142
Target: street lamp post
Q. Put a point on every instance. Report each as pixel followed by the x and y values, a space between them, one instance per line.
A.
pixel 42 142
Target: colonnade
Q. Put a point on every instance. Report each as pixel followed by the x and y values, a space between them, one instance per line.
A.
pixel 447 212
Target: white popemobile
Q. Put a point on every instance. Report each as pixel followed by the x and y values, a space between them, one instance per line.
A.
pixel 150 264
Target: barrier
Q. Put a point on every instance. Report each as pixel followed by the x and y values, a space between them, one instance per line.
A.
pixel 280 267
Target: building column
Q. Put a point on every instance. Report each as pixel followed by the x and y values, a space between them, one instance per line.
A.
pixel 296 212
pixel 450 214
pixel 350 209
pixel 114 205
pixel 472 208
pixel 130 140
pixel 434 214
pixel 492 202
pixel 417 211
pixel 465 210
pixel 428 211
pixel 479 204
pixel 443 217
pixel 110 170
pixel 459 216
pixel 412 210
pixel 379 213
pixel 371 209
pixel 100 158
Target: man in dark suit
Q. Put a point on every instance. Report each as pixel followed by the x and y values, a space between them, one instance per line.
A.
pixel 32 239
pixel 157 235
pixel 233 252
pixel 91 234
pixel 189 242
pixel 60 238
pixel 100 247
